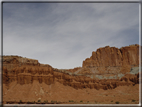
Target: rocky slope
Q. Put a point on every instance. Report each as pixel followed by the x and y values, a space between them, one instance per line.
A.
pixel 111 56
pixel 95 73
pixel 27 75
pixel 112 60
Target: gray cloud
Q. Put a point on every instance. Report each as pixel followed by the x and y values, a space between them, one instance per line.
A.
pixel 64 34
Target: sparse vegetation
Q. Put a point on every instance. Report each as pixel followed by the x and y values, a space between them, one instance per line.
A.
pixel 117 102
pixel 81 101
pixel 20 101
pixel 38 101
pixel 46 101
pixel 53 101
pixel 133 100
pixel 71 101
pixel 112 101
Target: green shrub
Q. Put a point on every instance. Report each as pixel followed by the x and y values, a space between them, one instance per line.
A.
pixel 46 101
pixel 71 101
pixel 112 101
pixel 20 101
pixel 133 100
pixel 53 101
pixel 81 101
pixel 38 101
pixel 117 102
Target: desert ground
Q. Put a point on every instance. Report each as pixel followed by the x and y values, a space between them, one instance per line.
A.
pixel 109 76
pixel 60 94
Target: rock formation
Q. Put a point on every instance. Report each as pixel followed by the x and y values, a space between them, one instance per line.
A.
pixel 107 61
pixel 111 56
pixel 111 59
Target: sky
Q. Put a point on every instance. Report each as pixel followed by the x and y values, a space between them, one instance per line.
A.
pixel 64 34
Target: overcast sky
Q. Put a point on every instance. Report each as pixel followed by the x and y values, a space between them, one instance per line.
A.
pixel 64 34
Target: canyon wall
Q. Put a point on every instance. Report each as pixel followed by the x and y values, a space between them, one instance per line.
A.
pixel 107 61
pixel 28 74
pixel 113 60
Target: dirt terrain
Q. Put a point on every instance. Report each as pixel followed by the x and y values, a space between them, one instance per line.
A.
pixel 109 76
pixel 59 93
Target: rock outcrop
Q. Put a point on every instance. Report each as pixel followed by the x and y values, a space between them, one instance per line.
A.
pixel 111 56
pixel 107 61
pixel 74 69
pixel 16 61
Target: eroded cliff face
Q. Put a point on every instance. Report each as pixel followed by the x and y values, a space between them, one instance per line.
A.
pixel 107 61
pixel 111 56
pixel 26 75
pixel 16 61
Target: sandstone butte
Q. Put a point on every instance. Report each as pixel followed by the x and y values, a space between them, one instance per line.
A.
pixel 107 68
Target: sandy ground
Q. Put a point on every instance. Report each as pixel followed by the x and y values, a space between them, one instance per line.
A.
pixel 60 93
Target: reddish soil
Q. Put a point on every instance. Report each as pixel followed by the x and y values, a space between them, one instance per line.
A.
pixel 65 94
pixel 27 81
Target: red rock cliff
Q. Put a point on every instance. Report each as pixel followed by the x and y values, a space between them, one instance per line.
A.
pixel 111 56
pixel 107 60
pixel 124 58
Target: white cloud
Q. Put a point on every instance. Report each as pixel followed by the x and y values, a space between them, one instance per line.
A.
pixel 64 34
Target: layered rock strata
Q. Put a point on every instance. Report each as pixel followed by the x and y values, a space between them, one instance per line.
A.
pixel 112 60
pixel 26 75
pixel 108 61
